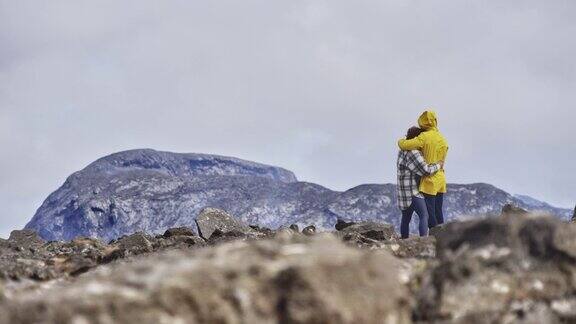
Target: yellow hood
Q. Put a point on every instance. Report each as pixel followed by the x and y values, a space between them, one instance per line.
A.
pixel 428 120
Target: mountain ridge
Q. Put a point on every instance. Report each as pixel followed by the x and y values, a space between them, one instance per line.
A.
pixel 148 190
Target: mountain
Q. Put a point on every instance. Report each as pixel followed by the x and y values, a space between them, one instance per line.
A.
pixel 147 190
pixel 532 202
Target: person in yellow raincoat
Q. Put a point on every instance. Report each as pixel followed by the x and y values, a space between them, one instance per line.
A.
pixel 434 147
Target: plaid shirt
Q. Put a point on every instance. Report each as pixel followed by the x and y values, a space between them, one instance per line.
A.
pixel 411 166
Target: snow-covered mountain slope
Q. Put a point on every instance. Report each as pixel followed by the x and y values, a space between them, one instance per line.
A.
pixel 532 202
pixel 147 190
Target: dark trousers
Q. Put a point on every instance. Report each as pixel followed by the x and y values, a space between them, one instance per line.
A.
pixel 434 205
pixel 419 206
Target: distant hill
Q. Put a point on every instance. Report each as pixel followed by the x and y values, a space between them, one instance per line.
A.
pixel 147 190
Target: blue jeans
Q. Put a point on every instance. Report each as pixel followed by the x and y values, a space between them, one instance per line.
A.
pixel 434 205
pixel 419 206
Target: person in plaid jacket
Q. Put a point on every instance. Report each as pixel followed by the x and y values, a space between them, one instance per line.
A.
pixel 411 166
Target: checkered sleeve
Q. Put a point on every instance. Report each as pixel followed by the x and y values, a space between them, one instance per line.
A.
pixel 405 182
pixel 418 165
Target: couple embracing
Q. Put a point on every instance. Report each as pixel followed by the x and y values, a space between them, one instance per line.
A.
pixel 421 179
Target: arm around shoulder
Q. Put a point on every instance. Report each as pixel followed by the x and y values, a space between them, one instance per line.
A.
pixel 412 144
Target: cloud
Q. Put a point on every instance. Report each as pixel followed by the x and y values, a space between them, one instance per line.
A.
pixel 323 88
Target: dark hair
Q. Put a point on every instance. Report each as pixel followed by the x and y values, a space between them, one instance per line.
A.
pixel 413 132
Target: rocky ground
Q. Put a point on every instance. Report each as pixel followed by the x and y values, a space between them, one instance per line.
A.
pixel 516 268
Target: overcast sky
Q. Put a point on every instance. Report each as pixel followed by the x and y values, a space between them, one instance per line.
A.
pixel 323 88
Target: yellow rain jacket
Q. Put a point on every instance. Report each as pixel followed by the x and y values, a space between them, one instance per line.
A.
pixel 434 148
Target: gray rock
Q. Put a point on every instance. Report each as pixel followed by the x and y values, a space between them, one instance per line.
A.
pixel 16 268
pixel 25 238
pixel 51 260
pixel 510 209
pixel 188 240
pixel 76 264
pixel 286 235
pixel 340 224
pixel 474 234
pixel 368 235
pixel 436 230
pixel 314 281
pixel 574 215
pixel 565 309
pixel 309 230
pixel 75 257
pixel 135 244
pixel 413 247
pixel 371 230
pixel 266 232
pixel 515 267
pixel 219 237
pixel 212 219
pixel 179 231
pixel 532 235
pixel 295 228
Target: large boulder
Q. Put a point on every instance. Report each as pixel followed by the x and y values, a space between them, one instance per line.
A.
pixel 530 236
pixel 212 219
pixel 504 269
pixel 317 280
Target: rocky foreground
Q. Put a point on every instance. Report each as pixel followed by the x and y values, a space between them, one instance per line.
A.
pixel 516 268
